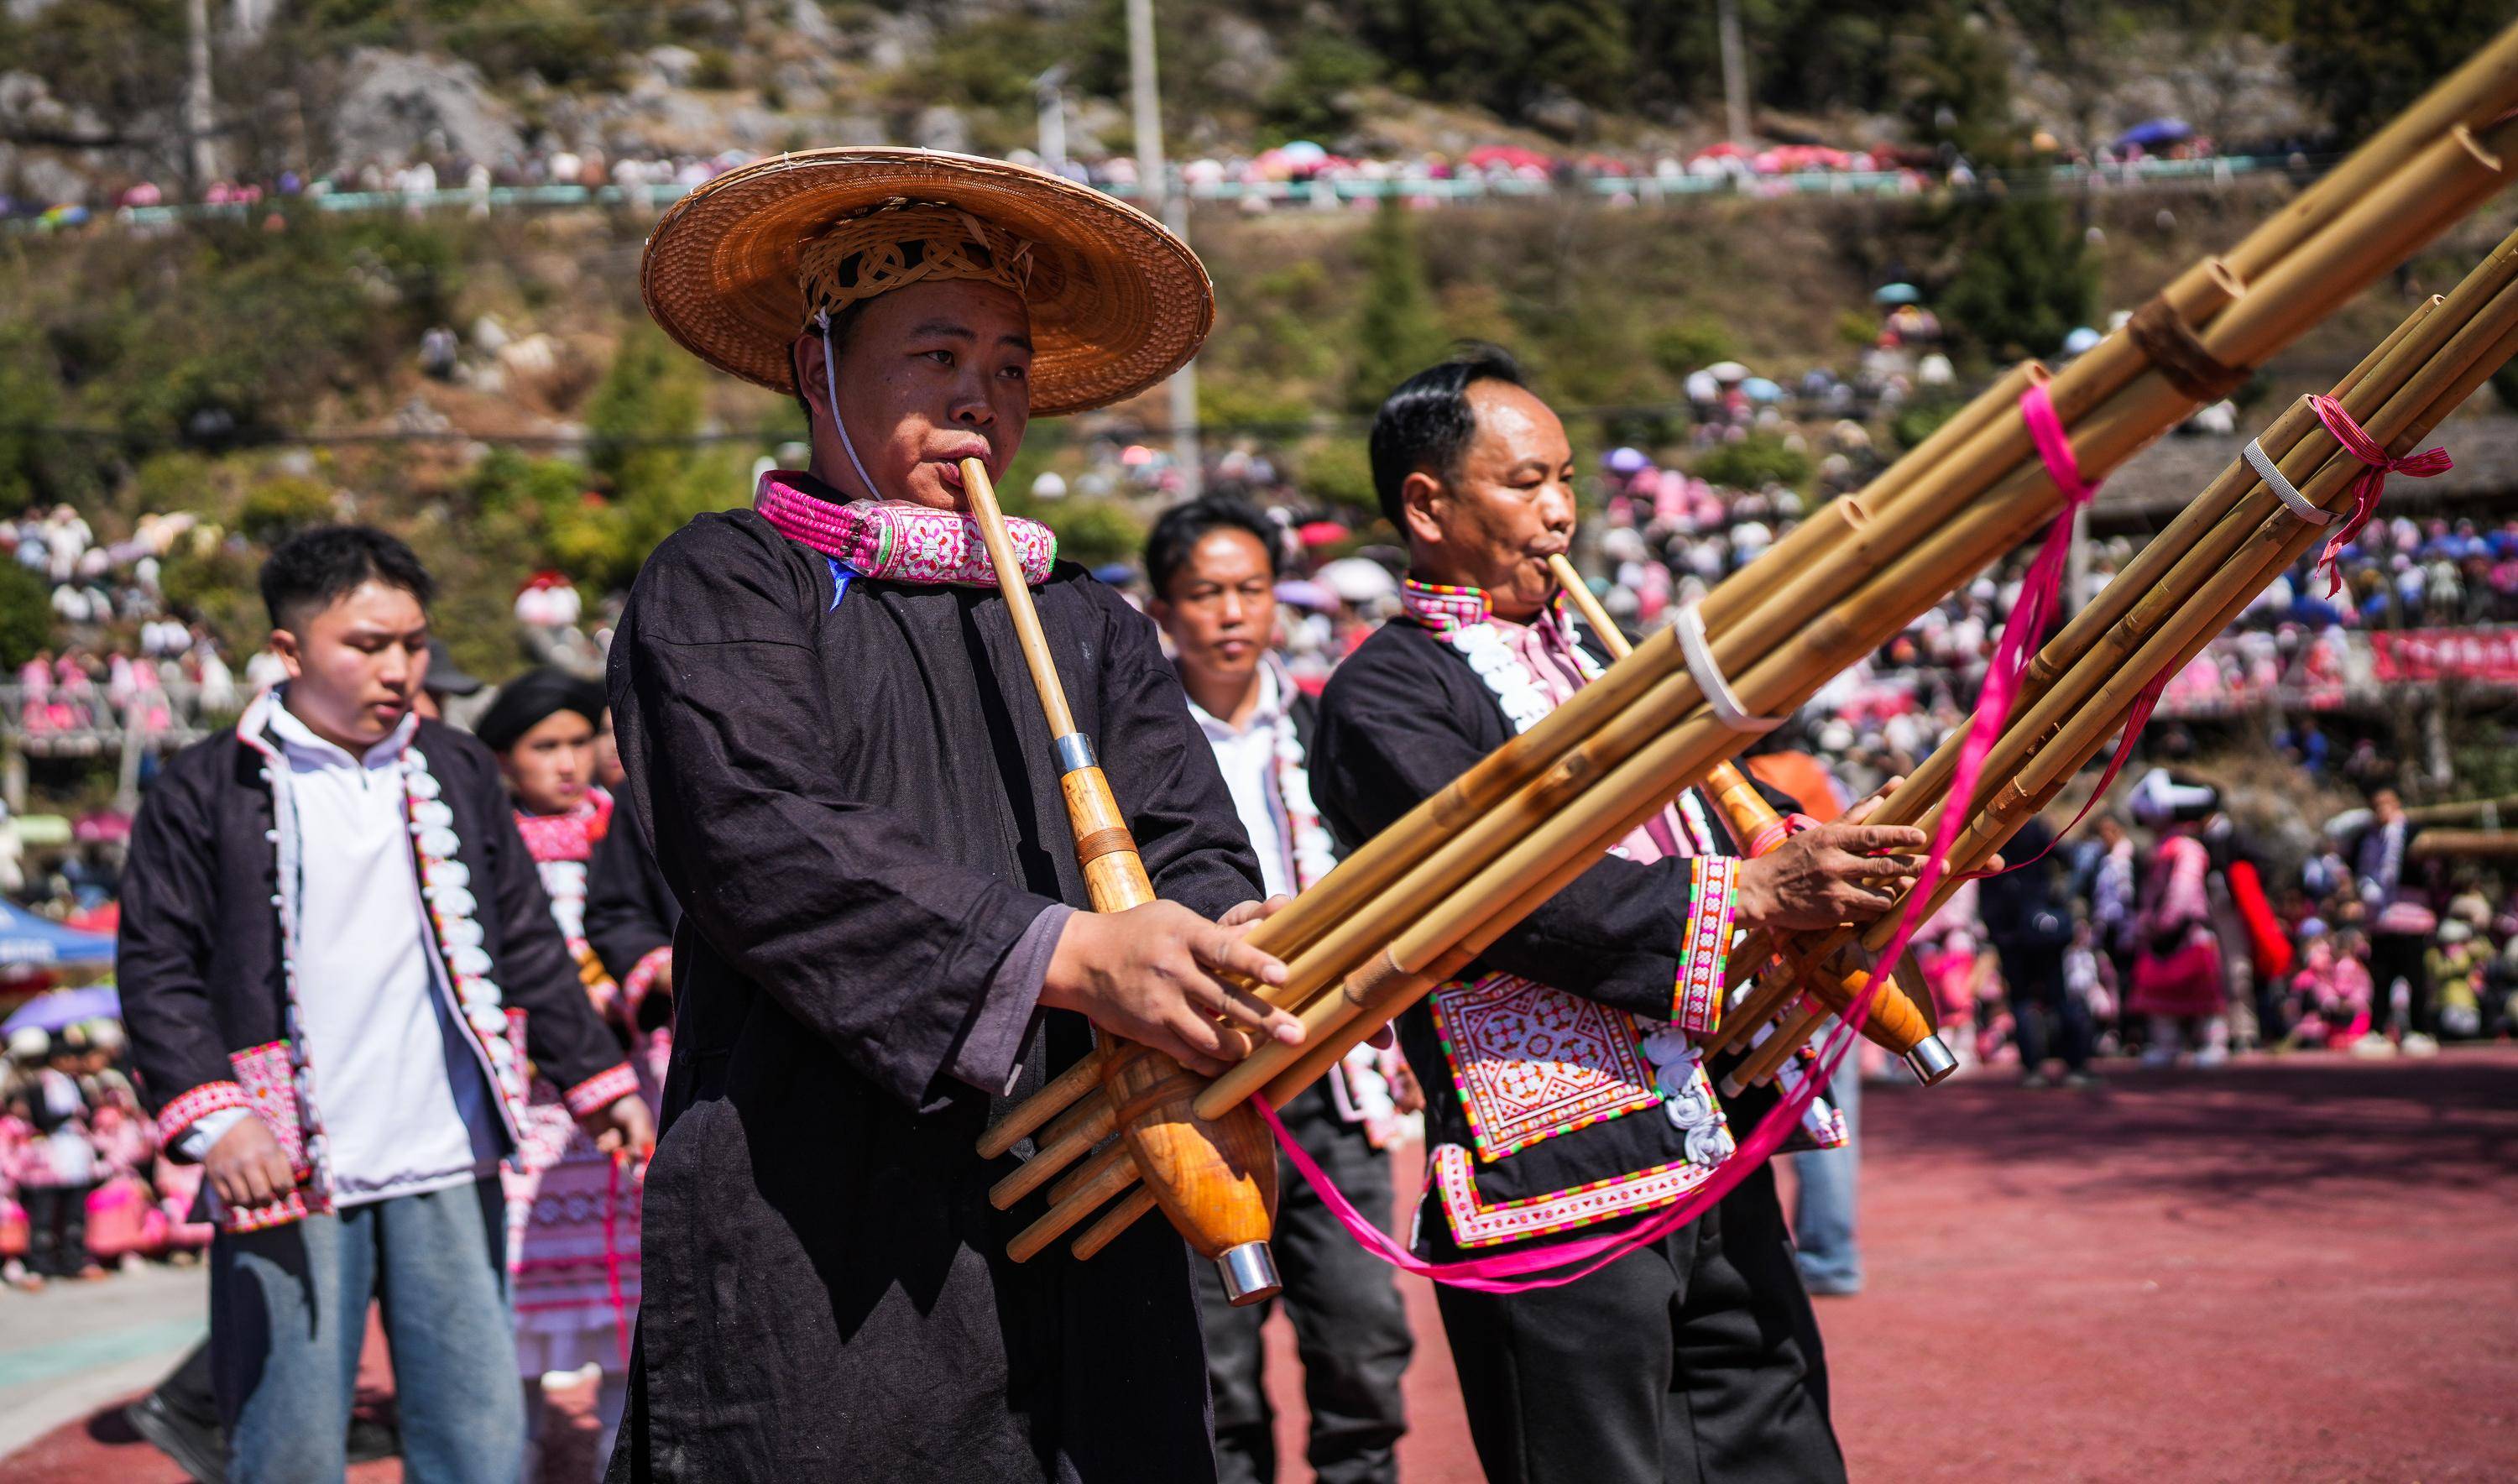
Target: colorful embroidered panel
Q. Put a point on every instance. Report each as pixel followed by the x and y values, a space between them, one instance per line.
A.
pixel 270 1084
pixel 1477 1224
pixel 1532 1063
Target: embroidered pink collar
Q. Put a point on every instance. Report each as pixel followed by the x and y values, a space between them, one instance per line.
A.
pixel 1447 609
pixel 570 836
pixel 893 540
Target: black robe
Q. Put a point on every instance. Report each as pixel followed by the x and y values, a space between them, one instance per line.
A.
pixel 855 801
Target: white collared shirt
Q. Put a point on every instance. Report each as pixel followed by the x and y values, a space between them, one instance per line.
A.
pixel 405 1105
pixel 1248 758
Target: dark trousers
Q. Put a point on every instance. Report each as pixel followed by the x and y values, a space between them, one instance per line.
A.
pixel 2394 956
pixel 1694 1360
pixel 2034 979
pixel 56 1229
pixel 1350 1326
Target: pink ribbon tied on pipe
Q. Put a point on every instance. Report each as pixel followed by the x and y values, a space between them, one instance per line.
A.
pixel 2370 482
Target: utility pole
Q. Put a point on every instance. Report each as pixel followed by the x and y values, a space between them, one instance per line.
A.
pixel 200 114
pixel 1172 210
pixel 1046 93
pixel 1735 71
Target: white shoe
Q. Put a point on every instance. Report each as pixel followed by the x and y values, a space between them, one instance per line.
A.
pixel 2418 1044
pixel 2212 1056
pixel 2373 1045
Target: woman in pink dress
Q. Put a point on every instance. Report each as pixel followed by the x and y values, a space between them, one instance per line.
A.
pixel 572 1210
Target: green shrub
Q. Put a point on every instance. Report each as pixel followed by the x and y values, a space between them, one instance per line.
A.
pixel 1758 460
pixel 1691 345
pixel 276 509
pixel 26 614
pixel 1095 531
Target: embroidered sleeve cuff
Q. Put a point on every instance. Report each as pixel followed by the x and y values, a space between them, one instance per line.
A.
pixel 1696 999
pixel 642 976
pixel 185 1110
pixel 601 1090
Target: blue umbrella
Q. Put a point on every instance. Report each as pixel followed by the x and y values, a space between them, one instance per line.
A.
pixel 28 940
pixel 1897 293
pixel 2081 341
pixel 1306 594
pixel 65 1007
pixel 2153 133
pixel 1760 389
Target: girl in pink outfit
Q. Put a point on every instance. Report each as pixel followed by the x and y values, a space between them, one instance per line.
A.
pixel 2177 972
pixel 2333 990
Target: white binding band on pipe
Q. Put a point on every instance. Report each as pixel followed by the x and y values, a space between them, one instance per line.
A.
pixel 2283 490
pixel 1717 691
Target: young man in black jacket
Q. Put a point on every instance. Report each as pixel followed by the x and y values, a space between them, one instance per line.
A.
pixel 335 961
pixel 1212 566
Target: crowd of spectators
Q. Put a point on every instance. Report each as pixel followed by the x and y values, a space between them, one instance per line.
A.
pixel 127 660
pixel 1296 173
pixel 83 1182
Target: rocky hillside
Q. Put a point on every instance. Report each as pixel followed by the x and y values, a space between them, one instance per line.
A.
pixel 91 94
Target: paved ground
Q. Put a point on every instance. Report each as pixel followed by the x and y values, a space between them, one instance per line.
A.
pixel 2292 1270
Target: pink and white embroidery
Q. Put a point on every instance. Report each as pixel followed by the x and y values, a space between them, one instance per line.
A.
pixel 1532 1063
pixel 896 541
pixel 268 1081
pixel 1696 993
pixel 1475 1223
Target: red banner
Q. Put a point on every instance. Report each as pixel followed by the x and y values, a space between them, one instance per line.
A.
pixel 2421 655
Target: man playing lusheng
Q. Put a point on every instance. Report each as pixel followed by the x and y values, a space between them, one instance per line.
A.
pixel 1212 566
pixel 1563 1089
pixel 330 930
pixel 830 735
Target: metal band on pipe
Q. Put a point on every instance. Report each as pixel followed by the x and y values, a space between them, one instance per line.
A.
pixel 1717 691
pixel 1075 752
pixel 2283 490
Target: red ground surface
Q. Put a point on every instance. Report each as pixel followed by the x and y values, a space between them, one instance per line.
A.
pixel 2290 1270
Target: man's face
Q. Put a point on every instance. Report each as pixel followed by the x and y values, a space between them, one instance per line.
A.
pixel 1509 508
pixel 1221 606
pixel 354 666
pixel 608 770
pixel 2110 832
pixel 929 375
pixel 550 767
pixel 2386 805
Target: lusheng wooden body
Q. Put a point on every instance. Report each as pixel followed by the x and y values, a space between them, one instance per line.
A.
pixel 1215 1178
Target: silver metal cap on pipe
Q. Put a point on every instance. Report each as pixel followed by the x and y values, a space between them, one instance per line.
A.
pixel 1250 1274
pixel 1931 1061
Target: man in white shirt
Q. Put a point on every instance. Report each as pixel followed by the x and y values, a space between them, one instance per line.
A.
pixel 335 961
pixel 1212 568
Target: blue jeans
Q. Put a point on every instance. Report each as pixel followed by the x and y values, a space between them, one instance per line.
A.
pixel 1823 1212
pixel 288 1313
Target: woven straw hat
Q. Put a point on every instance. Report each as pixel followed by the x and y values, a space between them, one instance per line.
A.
pixel 1117 303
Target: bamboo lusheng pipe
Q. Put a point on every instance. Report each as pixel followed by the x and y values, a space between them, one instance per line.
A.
pixel 2278 540
pixel 2008 513
pixel 2420 399
pixel 2385 371
pixel 1895 1022
pixel 2420 380
pixel 2112 386
pixel 2454 843
pixel 2458 809
pixel 2105 392
pixel 1216 1179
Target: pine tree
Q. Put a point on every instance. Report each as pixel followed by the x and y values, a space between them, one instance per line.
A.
pixel 2025 279
pixel 1396 332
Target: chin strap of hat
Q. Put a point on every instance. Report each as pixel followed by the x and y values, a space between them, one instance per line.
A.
pixel 831 382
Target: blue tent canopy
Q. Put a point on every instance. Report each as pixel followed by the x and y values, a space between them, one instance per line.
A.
pixel 30 941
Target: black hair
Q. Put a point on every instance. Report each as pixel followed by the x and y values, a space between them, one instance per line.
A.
pixel 843 326
pixel 322 564
pixel 1182 527
pixel 1427 422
